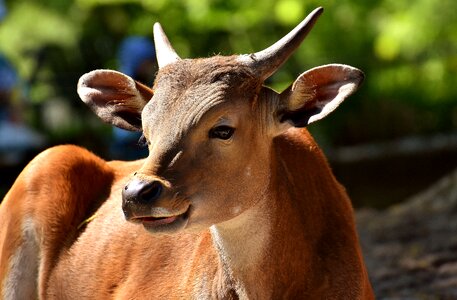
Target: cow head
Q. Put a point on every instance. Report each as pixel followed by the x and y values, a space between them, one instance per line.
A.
pixel 209 124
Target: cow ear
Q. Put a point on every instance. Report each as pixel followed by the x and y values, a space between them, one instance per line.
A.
pixel 115 97
pixel 316 93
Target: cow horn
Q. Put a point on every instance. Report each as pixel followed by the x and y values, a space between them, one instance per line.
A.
pixel 164 51
pixel 264 63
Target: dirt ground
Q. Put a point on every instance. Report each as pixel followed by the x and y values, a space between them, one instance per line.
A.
pixel 411 248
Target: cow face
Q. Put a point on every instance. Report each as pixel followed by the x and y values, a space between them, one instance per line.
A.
pixel 209 126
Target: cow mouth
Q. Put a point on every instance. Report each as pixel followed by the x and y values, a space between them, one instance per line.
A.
pixel 164 223
pixel 158 220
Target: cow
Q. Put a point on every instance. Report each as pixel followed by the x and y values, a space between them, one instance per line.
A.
pixel 234 201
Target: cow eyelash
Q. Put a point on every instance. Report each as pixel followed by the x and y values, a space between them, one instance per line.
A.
pixel 142 141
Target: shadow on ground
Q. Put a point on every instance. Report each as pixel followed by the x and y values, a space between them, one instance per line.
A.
pixel 411 248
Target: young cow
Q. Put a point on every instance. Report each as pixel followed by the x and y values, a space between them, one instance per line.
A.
pixel 234 201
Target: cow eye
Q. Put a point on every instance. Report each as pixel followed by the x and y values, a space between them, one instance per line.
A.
pixel 222 132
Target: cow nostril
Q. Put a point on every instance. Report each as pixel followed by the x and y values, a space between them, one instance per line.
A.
pixel 141 192
pixel 151 192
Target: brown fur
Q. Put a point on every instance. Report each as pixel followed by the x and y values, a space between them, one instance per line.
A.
pixel 262 215
pixel 315 254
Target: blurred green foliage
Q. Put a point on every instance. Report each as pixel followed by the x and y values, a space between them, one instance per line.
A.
pixel 408 50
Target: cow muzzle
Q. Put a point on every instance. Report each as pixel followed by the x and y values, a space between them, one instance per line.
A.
pixel 148 202
pixel 142 192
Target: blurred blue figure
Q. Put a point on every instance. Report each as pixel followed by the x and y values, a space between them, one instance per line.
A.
pixel 8 80
pixel 2 10
pixel 137 60
pixel 17 140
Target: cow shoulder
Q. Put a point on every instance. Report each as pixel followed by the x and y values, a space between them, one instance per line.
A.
pixel 59 188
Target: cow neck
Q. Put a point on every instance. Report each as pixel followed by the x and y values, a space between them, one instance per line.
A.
pixel 242 244
pixel 251 245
